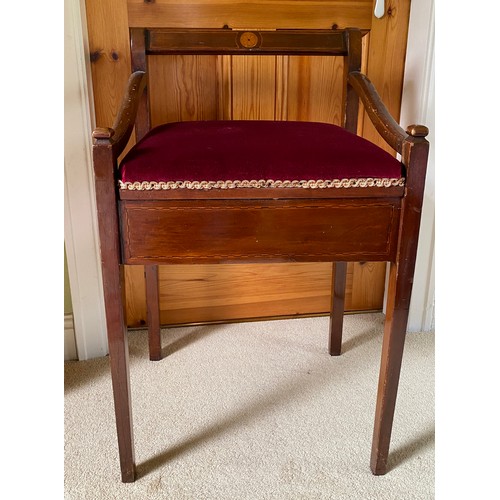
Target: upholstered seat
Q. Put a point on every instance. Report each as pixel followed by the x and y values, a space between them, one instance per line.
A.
pixel 232 154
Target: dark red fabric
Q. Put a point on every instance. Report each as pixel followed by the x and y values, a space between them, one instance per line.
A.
pixel 254 150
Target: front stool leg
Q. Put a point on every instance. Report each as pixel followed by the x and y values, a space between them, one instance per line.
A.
pixel 337 308
pixel 392 353
pixel 119 363
pixel 153 306
pixel 114 297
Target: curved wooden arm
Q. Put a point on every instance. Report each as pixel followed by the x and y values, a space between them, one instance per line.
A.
pixel 385 124
pixel 124 122
pixel 119 134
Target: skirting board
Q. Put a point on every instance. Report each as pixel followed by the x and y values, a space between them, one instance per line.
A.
pixel 70 353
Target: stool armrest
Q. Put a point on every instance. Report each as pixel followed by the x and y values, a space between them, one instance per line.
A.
pixel 385 124
pixel 119 135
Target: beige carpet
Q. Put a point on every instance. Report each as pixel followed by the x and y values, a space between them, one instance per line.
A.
pixel 253 411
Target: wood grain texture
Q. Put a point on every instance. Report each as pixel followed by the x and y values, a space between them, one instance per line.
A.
pixel 107 24
pixel 249 231
pixel 253 87
pixel 386 61
pixel 183 88
pixel 314 89
pixel 199 293
pixel 135 296
pixel 266 14
pixel 367 287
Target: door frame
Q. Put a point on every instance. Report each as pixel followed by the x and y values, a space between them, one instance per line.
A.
pixel 80 218
pixel 417 106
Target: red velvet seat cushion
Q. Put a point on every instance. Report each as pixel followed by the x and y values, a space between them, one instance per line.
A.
pixel 221 154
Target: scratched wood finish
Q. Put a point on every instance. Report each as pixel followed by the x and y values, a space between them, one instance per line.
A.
pixel 169 232
pixel 210 87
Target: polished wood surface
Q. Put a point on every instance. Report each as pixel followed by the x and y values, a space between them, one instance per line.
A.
pixel 153 305
pixel 254 231
pixel 415 153
pixel 255 41
pixel 339 280
pixel 112 276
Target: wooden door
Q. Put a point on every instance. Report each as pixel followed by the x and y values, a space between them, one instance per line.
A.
pixel 236 87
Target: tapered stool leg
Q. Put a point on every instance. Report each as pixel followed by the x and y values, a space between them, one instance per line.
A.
pixel 119 363
pixel 113 288
pixel 390 367
pixel 153 306
pixel 415 152
pixel 337 307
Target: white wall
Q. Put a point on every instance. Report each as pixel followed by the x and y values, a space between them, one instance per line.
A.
pixel 80 221
pixel 418 107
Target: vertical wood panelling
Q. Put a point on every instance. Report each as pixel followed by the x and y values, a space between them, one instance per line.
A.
pixel 233 87
pixel 225 88
pixel 386 60
pixel 183 88
pixel 368 283
pixel 109 47
pixel 107 24
pixel 253 87
pixel 200 293
pixel 315 89
pixel 281 103
pixel 135 296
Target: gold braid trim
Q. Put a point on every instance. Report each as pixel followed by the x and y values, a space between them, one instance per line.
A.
pixel 312 184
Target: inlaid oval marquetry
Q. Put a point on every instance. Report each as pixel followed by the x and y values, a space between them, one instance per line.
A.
pixel 249 40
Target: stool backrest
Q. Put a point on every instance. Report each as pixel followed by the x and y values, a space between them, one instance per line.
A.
pixel 225 41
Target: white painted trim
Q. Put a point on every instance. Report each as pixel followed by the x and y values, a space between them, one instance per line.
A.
pixel 418 107
pixel 70 352
pixel 80 224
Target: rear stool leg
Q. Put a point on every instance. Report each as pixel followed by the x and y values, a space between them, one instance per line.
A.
pixel 337 307
pixel 153 306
